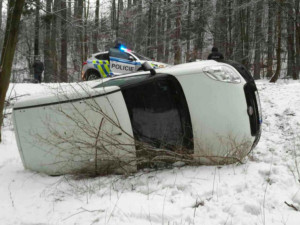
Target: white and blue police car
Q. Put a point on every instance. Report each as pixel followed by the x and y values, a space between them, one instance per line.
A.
pixel 116 61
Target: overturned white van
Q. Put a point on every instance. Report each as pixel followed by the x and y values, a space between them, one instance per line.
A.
pixel 204 112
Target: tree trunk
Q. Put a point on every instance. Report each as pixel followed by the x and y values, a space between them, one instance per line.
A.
pixel 177 44
pixel 188 35
pixel 278 49
pixel 113 14
pixel 53 42
pixel 118 19
pixel 37 29
pixel 85 28
pixel 199 28
pixel 140 30
pixel 238 31
pixel 1 4
pixel 297 16
pixel 48 73
pixel 161 31
pixel 168 30
pixel 96 29
pixel 149 35
pixel 64 43
pixel 10 40
pixel 220 38
pixel 246 36
pixel 229 30
pixel 291 66
pixel 270 39
pixel 258 40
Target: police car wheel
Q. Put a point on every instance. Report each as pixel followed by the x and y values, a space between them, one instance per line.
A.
pixel 92 76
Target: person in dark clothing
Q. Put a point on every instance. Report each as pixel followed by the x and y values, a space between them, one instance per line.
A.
pixel 38 68
pixel 215 54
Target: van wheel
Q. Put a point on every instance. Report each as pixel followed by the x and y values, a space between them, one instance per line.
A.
pixel 92 75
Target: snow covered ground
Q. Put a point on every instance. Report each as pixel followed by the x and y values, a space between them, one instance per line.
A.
pixel 264 190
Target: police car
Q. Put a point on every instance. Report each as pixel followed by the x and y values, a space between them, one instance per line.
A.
pixel 116 61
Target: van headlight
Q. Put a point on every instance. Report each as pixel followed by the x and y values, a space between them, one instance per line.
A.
pixel 222 73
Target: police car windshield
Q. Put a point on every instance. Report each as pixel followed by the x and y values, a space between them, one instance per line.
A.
pixel 141 57
pixel 120 82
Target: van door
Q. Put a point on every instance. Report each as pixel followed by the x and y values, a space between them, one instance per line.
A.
pixel 121 62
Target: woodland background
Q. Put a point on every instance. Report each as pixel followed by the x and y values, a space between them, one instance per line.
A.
pixel 264 35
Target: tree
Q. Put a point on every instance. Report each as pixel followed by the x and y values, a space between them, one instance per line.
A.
pixel 278 49
pixel 290 28
pixel 8 50
pixel 64 43
pixel 37 29
pixel 54 30
pixel 176 43
pixel 1 4
pixel 297 21
pixel 258 40
pixel 96 27
pixel 270 39
pixel 220 26
pixel 168 29
pixel 48 73
pixel 188 35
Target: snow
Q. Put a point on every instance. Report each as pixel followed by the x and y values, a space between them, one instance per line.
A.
pixel 256 192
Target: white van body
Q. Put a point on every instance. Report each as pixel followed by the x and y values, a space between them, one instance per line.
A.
pixel 97 127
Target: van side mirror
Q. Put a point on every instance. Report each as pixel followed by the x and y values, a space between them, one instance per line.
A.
pixel 147 67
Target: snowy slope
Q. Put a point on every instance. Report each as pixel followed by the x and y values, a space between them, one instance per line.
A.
pixel 252 193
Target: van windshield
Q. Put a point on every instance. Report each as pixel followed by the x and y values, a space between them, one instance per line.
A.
pixel 124 81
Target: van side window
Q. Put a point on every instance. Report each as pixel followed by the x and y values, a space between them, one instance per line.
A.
pixel 159 114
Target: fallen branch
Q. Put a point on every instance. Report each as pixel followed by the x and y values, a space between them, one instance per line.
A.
pixel 292 206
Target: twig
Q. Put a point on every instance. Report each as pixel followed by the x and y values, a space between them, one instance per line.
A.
pixel 292 206
pixel 82 211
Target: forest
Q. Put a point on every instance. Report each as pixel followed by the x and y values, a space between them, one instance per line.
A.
pixel 264 35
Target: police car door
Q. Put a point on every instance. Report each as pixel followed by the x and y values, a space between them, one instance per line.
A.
pixel 121 62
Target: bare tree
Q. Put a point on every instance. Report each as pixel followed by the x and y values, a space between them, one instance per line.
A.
pixel 37 29
pixel 64 43
pixel 96 29
pixel 48 73
pixel 290 28
pixel 8 50
pixel 278 49
pixel 258 40
pixel 176 43
pixel 297 22
pixel 53 44
pixel 270 37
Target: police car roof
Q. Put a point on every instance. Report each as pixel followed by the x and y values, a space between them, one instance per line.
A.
pixel 97 53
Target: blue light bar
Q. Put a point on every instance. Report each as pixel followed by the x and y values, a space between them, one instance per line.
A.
pixel 123 48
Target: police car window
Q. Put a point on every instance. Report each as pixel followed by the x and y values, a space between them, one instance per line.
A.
pixel 122 81
pixel 114 52
pixel 102 56
pixel 141 57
